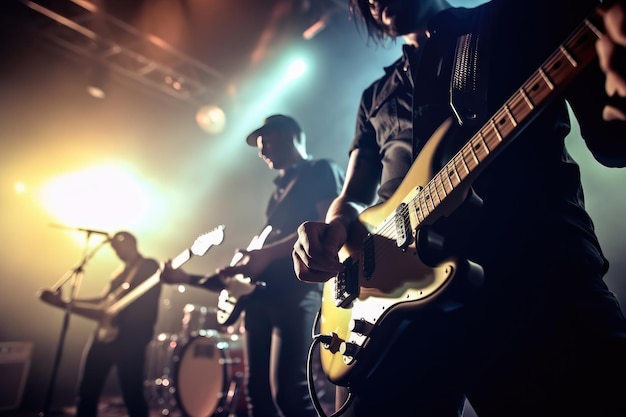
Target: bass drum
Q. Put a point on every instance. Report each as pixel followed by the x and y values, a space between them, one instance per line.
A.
pixel 209 376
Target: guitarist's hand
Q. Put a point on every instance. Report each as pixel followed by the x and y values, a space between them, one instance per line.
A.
pixel 250 263
pixel 611 50
pixel 315 253
pixel 170 275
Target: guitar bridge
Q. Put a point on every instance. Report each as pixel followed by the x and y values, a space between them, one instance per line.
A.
pixel 347 284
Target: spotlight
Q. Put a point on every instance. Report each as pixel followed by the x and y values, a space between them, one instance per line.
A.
pixel 95 81
pixel 211 119
pixel 96 91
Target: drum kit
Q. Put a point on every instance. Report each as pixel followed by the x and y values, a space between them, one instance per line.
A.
pixel 197 372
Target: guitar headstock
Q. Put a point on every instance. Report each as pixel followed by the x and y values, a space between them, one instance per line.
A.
pixel 204 242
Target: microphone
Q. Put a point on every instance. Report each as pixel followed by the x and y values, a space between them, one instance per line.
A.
pixel 81 229
pixel 95 232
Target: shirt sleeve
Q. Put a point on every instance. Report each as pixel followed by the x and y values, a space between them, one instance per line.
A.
pixel 365 134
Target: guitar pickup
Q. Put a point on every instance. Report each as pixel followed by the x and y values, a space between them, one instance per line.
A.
pixel 369 257
pixel 403 226
pixel 347 284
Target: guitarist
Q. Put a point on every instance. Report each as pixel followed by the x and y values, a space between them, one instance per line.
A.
pixel 543 335
pixel 135 328
pixel 284 307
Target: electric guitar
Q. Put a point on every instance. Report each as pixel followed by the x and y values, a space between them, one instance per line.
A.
pixel 231 300
pixel 384 280
pixel 105 312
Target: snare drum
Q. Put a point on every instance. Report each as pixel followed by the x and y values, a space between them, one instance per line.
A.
pixel 209 372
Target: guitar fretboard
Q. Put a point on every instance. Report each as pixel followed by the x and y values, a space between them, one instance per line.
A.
pixel 543 85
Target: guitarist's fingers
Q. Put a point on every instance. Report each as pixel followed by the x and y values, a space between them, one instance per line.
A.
pixel 315 252
pixel 611 49
pixel 613 113
pixel 306 274
pixel 612 59
pixel 321 239
pixel 614 19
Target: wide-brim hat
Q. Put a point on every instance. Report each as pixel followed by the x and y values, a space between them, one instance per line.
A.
pixel 276 122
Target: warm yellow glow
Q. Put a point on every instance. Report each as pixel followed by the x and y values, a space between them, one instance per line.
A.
pixel 20 187
pixel 108 197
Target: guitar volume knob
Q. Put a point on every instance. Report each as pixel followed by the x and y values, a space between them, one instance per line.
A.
pixel 360 326
pixel 349 351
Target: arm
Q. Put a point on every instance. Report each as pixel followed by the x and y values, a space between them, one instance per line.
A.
pixel 178 276
pixel 90 308
pixel 254 262
pixel 315 253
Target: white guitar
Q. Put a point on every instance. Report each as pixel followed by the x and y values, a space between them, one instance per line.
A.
pixel 230 302
pixel 106 311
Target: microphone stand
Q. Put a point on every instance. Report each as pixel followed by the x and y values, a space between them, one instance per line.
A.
pixel 74 275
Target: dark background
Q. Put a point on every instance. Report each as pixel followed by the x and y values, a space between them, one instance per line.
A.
pixel 168 180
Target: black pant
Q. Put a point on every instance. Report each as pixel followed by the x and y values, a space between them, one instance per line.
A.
pixel 128 356
pixel 291 321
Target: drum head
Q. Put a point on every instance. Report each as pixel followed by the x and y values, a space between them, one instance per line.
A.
pixel 200 376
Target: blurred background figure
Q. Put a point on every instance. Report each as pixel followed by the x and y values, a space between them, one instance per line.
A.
pixel 280 314
pixel 124 330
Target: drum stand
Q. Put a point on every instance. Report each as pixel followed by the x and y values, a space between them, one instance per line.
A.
pixel 74 276
pixel 232 396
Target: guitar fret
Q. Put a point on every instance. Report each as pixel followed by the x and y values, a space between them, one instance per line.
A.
pixel 508 112
pixel 423 205
pixel 526 98
pixel 593 28
pixel 433 184
pixel 495 129
pixel 448 178
pixel 537 91
pixel 568 55
pixel 446 187
pixel 474 157
pixel 429 198
pixel 547 80
pixel 506 122
pixel 519 106
pixel 455 174
pixel 439 186
pixel 427 201
pixel 470 162
pixel 417 212
pixel 482 144
pixel 465 172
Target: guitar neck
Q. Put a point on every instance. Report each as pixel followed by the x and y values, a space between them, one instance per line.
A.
pixel 543 85
pixel 146 285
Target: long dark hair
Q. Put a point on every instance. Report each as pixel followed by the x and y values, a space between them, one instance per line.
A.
pixel 360 11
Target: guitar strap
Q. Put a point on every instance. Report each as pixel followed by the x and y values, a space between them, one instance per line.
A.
pixel 125 285
pixel 468 84
pixel 468 87
pixel 282 190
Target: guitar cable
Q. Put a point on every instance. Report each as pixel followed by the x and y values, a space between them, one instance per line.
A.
pixel 317 339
